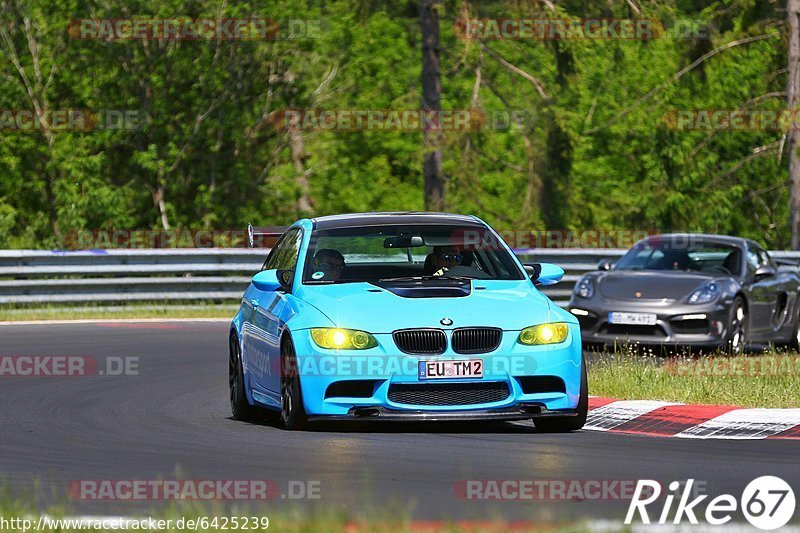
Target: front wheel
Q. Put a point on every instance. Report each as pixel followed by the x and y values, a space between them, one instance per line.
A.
pixel 240 407
pixel 563 424
pixel 737 328
pixel 293 414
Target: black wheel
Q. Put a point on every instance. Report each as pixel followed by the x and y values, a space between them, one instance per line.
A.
pixel 737 328
pixel 795 342
pixel 240 407
pixel 293 414
pixel 562 424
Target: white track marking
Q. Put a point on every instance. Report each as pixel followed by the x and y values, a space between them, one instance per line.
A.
pixel 744 424
pixel 617 413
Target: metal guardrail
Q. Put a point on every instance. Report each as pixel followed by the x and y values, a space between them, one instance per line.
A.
pixel 37 276
pixel 219 274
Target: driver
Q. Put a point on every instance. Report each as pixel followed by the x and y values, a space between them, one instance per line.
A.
pixel 330 262
pixel 442 259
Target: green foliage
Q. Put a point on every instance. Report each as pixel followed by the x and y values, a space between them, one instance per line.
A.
pixel 603 155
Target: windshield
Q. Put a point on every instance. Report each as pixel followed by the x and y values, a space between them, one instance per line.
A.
pixel 387 253
pixel 694 257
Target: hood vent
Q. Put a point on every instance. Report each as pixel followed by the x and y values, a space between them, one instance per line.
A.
pixel 428 288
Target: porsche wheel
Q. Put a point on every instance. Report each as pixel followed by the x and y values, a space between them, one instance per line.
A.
pixel 563 424
pixel 737 328
pixel 293 414
pixel 240 408
pixel 795 342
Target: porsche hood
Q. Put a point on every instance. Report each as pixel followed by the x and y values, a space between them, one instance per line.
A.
pixel 650 285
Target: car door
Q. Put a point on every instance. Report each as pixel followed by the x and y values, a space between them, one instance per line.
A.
pixel 764 292
pixel 271 310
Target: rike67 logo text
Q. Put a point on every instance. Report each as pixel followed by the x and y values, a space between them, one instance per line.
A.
pixel 767 502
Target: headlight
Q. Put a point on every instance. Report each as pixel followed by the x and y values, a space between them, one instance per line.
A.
pixel 584 288
pixel 343 339
pixel 552 333
pixel 705 294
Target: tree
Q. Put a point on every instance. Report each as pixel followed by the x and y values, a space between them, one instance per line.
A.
pixel 432 101
pixel 793 98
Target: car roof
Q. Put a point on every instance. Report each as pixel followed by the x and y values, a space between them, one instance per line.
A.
pixel 703 237
pixel 393 218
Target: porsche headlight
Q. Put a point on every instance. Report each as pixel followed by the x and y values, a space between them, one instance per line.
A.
pixel 705 294
pixel 584 288
pixel 343 339
pixel 551 333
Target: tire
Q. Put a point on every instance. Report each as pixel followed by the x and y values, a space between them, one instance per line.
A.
pixel 794 344
pixel 736 341
pixel 563 424
pixel 293 414
pixel 240 407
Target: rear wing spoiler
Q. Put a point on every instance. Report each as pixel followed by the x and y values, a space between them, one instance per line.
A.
pixel 270 232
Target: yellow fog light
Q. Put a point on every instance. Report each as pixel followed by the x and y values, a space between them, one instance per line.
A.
pixel 342 339
pixel 552 333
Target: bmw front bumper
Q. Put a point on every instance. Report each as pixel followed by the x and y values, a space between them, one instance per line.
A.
pixel 383 383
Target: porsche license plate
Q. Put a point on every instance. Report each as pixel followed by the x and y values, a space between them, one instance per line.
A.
pixel 632 319
pixel 472 368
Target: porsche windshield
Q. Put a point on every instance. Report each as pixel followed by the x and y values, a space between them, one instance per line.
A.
pixel 712 258
pixel 403 252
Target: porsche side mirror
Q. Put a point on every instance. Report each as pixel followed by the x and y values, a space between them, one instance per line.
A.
pixel 764 271
pixel 605 264
pixel 544 273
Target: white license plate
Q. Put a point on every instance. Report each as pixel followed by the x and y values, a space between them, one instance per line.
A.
pixel 472 368
pixel 634 319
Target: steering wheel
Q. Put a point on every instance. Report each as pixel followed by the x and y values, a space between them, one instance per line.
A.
pixel 720 268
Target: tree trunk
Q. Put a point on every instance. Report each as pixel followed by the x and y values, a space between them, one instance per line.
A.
pixel 793 92
pixel 431 101
pixel 298 158
pixel 158 201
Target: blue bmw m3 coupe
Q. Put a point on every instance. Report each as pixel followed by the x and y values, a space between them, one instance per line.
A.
pixel 404 316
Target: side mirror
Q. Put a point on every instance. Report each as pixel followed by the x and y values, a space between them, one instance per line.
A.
pixel 605 264
pixel 272 280
pixel 764 271
pixel 544 273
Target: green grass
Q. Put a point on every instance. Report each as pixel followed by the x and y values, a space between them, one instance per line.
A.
pixel 768 380
pixel 117 312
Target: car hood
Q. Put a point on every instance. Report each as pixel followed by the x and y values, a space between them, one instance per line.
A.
pixel 650 285
pixel 510 305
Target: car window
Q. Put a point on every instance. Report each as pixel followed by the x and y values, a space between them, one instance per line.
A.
pixel 366 254
pixel 695 256
pixel 757 257
pixel 284 255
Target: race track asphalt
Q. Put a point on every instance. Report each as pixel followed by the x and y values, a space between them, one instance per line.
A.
pixel 173 420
